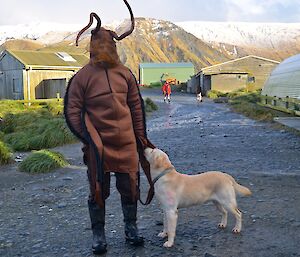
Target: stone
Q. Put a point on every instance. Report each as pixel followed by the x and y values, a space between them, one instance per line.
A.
pixel 61 205
pixel 67 178
pixel 209 255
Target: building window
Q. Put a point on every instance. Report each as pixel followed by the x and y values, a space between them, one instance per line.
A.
pixel 16 86
pixel 251 79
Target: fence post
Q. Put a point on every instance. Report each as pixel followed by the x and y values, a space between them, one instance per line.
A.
pixel 274 101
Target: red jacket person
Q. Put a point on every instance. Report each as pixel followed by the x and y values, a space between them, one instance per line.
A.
pixel 166 88
pixel 104 109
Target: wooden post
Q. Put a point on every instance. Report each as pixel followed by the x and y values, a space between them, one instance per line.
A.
pixel 274 101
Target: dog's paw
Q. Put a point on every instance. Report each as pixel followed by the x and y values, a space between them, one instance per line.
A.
pixel 168 244
pixel 236 231
pixel 221 226
pixel 162 234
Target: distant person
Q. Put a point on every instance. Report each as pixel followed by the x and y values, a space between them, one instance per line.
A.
pixel 166 88
pixel 199 95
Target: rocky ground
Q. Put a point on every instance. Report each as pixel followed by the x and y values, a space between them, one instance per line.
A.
pixel 46 214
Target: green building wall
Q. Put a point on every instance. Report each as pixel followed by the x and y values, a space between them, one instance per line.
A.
pixel 152 72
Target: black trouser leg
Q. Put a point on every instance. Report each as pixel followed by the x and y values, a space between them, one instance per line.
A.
pixel 129 207
pixel 97 216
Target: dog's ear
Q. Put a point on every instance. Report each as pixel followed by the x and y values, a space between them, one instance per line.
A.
pixel 162 162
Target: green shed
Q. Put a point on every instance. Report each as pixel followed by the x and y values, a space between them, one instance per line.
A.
pixel 155 72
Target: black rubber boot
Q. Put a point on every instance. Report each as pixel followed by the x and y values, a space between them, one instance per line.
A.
pixel 97 216
pixel 131 230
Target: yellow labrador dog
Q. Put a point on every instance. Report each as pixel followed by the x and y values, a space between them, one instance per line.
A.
pixel 175 190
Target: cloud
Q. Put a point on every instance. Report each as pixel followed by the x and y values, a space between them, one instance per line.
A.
pixel 263 11
pixel 77 11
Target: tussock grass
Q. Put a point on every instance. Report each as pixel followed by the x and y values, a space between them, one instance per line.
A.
pixel 155 84
pixel 42 161
pixel 5 154
pixel 252 110
pixel 213 94
pixel 247 104
pixel 10 106
pixel 34 127
pixel 34 131
pixel 150 106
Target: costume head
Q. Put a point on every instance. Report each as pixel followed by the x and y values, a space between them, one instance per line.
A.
pixel 103 45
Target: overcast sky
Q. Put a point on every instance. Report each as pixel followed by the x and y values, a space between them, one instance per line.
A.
pixel 77 11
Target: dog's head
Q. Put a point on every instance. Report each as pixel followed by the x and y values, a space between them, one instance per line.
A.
pixel 157 159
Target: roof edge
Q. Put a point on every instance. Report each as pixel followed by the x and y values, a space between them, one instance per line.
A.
pixel 238 59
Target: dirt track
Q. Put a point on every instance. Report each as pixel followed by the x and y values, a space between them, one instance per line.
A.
pixel 46 215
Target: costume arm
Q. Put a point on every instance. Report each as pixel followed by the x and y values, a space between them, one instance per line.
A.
pixel 73 107
pixel 136 105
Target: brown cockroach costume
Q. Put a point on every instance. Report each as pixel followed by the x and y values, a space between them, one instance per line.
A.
pixel 104 109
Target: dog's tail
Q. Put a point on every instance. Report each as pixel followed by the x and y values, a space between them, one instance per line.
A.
pixel 241 190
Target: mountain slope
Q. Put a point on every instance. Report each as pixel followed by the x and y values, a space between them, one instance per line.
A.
pixel 153 41
pixel 202 43
pixel 21 44
pixel 271 40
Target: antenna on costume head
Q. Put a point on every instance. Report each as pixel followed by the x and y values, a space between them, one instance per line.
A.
pixel 92 15
pixel 125 34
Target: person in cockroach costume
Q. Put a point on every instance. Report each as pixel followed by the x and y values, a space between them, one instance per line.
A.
pixel 104 109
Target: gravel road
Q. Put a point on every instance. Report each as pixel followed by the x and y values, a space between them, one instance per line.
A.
pixel 46 214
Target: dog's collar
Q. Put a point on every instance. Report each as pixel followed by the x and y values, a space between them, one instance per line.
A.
pixel 166 171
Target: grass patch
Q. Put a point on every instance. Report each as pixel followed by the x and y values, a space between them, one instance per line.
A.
pixel 42 161
pixel 155 84
pixel 213 94
pixel 240 92
pixel 35 130
pixel 248 104
pixel 5 154
pixel 150 106
pixel 10 106
pixel 34 127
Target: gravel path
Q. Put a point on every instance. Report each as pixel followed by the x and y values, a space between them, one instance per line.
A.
pixel 46 214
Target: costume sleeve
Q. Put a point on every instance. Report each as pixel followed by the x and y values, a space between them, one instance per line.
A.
pixel 136 105
pixel 73 107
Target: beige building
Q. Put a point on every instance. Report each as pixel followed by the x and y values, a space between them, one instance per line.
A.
pixel 32 75
pixel 247 72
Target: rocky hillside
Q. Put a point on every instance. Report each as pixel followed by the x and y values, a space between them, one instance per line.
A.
pixel 202 43
pixel 152 41
pixel 271 40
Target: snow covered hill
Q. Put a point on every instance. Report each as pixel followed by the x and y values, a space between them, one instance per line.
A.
pixel 46 33
pixel 266 35
pixel 37 31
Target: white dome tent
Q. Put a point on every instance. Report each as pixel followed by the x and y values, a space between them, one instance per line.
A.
pixel 284 80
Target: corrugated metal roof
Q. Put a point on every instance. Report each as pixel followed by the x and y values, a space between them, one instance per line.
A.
pixel 166 65
pixel 39 59
pixel 238 59
pixel 204 70
pixel 284 79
